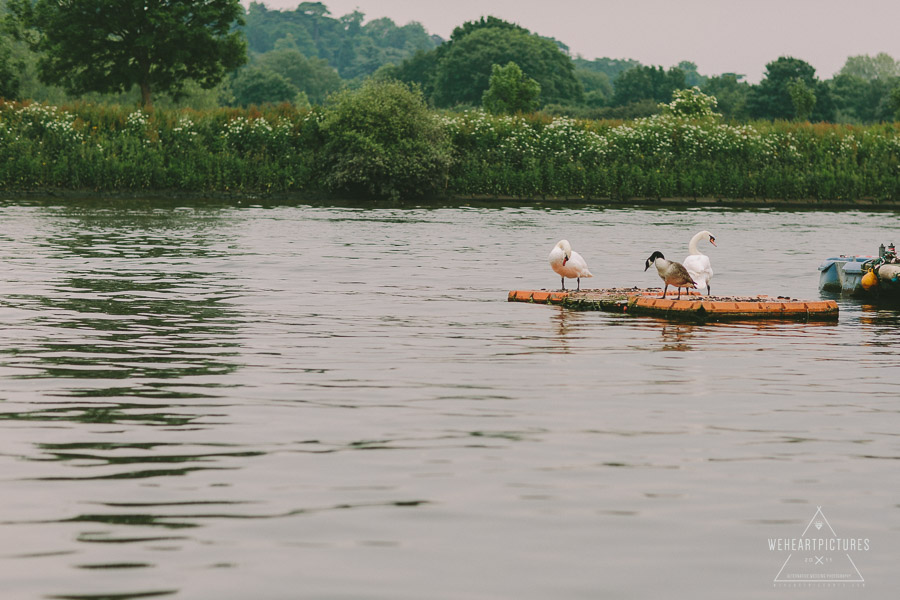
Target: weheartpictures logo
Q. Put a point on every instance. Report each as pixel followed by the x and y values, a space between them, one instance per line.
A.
pixel 819 557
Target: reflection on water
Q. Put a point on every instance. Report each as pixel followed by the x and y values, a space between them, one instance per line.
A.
pixel 214 402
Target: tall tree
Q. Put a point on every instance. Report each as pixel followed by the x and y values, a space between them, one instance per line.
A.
pixel 511 91
pixel 691 76
pixel 880 66
pixel 111 45
pixel 647 83
pixel 731 94
pixel 256 85
pixel 10 68
pixel 771 99
pixel 465 64
pixel 802 97
pixel 313 76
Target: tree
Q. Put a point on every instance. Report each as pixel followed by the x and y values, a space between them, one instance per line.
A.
pixel 311 75
pixel 112 45
pixel 894 102
pixel 465 66
pixel 880 66
pixel 731 94
pixel 611 67
pixel 691 76
pixel 510 91
pixel 771 99
pixel 597 88
pixel 857 99
pixel 691 104
pixel 802 97
pixel 647 83
pixel 10 68
pixel 255 85
pixel 382 140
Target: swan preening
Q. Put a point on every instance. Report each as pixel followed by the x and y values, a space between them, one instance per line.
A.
pixel 671 272
pixel 697 263
pixel 568 263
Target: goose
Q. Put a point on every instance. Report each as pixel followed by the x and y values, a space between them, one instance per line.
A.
pixel 568 263
pixel 671 272
pixel 697 263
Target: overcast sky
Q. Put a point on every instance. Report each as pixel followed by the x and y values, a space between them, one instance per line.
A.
pixel 721 36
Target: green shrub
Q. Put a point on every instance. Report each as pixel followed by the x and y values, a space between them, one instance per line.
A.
pixel 382 141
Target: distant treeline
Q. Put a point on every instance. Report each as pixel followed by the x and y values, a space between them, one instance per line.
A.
pixel 383 141
pixel 303 55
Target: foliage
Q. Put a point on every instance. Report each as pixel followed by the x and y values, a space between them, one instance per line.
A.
pixel 106 148
pixel 464 68
pixel 665 156
pixel 10 68
pixel 110 45
pixel 611 67
pixel 647 83
pixel 313 76
pixel 691 104
pixel 511 91
pixel 730 93
pixel 598 90
pixel 771 99
pixel 382 141
pixel 692 77
pixel 254 85
pixel 345 43
pixel 859 100
pixel 894 102
pixel 880 66
pixel 802 97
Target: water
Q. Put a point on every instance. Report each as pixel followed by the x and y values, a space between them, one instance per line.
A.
pixel 339 403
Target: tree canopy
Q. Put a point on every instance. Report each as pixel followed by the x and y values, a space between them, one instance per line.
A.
pixel 9 70
pixel 112 45
pixel 313 76
pixel 353 48
pixel 510 91
pixel 771 99
pixel 648 83
pixel 465 63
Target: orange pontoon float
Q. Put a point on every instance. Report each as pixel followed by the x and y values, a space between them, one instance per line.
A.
pixel 690 307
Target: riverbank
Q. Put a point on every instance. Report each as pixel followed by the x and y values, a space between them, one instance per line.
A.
pixel 299 198
pixel 403 151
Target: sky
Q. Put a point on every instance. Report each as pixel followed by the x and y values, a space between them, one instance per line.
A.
pixel 720 36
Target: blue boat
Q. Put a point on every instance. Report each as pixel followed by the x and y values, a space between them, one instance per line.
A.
pixel 868 276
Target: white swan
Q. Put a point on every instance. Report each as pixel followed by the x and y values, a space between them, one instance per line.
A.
pixel 671 272
pixel 697 263
pixel 568 263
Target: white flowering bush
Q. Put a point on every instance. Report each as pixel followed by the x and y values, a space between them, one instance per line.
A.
pixel 353 148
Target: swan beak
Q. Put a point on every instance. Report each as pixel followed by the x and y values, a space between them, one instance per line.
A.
pixel 712 241
pixel 565 260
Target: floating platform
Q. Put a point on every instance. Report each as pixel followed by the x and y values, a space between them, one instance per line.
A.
pixel 691 307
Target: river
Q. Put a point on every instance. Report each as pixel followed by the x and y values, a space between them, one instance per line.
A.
pixel 230 402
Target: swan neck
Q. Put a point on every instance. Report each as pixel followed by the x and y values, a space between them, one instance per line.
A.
pixel 692 247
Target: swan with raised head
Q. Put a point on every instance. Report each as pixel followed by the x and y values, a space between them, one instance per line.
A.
pixel 697 263
pixel 671 272
pixel 568 263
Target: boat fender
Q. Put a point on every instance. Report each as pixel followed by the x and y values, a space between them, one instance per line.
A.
pixel 869 280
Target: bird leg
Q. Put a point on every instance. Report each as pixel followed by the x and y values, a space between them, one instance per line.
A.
pixel 563 278
pixel 578 279
pixel 664 290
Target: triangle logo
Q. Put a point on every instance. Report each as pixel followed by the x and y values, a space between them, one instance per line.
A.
pixel 819 556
